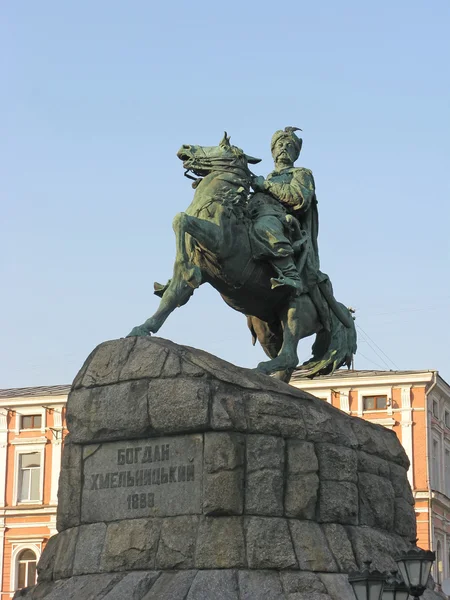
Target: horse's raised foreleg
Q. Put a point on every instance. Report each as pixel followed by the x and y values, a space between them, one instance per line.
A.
pixel 186 275
pixel 299 319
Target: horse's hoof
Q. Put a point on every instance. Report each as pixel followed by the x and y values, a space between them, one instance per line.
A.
pixel 263 368
pixel 139 331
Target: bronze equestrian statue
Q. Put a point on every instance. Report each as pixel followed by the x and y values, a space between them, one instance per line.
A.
pixel 259 251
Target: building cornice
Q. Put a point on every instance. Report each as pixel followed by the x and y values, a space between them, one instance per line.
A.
pixel 363 381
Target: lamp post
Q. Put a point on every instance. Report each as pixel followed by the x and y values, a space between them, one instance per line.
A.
pixel 367 584
pixel 415 566
pixel 395 588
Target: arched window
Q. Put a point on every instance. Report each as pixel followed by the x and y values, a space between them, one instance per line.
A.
pixel 439 563
pixel 26 569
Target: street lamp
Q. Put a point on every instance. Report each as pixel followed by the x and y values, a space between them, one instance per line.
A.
pixel 367 585
pixel 395 588
pixel 415 566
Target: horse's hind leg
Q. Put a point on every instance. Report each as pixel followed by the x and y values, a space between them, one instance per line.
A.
pixel 294 329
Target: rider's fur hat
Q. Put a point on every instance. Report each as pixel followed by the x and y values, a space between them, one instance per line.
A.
pixel 287 132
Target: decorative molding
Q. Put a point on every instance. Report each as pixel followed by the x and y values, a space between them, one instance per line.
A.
pixel 406 396
pixel 344 399
pixel 388 422
pixel 23 441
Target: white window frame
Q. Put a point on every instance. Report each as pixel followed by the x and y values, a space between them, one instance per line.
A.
pixel 447 421
pixel 446 470
pixel 26 411
pixel 34 545
pixel 436 463
pixel 375 391
pixel 436 401
pixel 27 449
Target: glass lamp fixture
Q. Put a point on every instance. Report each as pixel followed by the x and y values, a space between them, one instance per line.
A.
pixel 395 588
pixel 367 584
pixel 415 566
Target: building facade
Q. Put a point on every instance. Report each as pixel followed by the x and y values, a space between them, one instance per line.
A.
pixel 32 430
pixel 416 406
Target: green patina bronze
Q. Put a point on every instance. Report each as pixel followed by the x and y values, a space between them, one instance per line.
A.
pixel 259 251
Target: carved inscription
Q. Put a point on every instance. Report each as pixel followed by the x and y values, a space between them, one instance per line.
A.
pixel 142 478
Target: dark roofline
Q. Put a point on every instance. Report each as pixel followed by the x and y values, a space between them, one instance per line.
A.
pixel 45 390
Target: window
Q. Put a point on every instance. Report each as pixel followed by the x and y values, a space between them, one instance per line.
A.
pixel 374 402
pixel 439 564
pixel 447 419
pixel 26 570
pixel 29 477
pixel 436 474
pixel 31 421
pixel 447 472
pixel 436 409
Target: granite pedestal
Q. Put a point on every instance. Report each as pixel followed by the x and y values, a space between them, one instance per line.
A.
pixel 185 477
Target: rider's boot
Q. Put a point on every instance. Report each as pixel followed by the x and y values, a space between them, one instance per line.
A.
pixel 287 274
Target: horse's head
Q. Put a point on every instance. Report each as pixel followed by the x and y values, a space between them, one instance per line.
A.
pixel 203 160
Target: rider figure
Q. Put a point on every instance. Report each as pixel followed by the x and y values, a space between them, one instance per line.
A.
pixel 288 190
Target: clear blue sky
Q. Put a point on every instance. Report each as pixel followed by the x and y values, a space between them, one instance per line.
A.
pixel 98 96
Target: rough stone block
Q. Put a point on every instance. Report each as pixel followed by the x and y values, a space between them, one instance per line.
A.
pixel 337 462
pixel 131 545
pixel 269 544
pixel 105 363
pixel 220 543
pixel 399 479
pixel 311 547
pixel 376 501
pixel 223 493
pixel 405 522
pixel 338 502
pixel 325 423
pixel 89 548
pixel 301 457
pixel 220 585
pixel 264 452
pixel 146 359
pixel 142 478
pixel 46 562
pixel 178 405
pixel 109 413
pixel 368 463
pixel 177 543
pixel 338 586
pixel 375 439
pixel 340 546
pixel 228 409
pixel 172 365
pixel 69 489
pixel 302 495
pixel 223 451
pixel 86 587
pixel 256 585
pixel 171 586
pixel 264 493
pixel 275 415
pixel 133 586
pixel 65 553
pixel 302 582
pixel 377 546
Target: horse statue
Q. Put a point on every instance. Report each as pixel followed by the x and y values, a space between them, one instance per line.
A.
pixel 214 245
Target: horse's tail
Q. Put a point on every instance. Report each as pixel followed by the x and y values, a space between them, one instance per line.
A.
pixel 332 349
